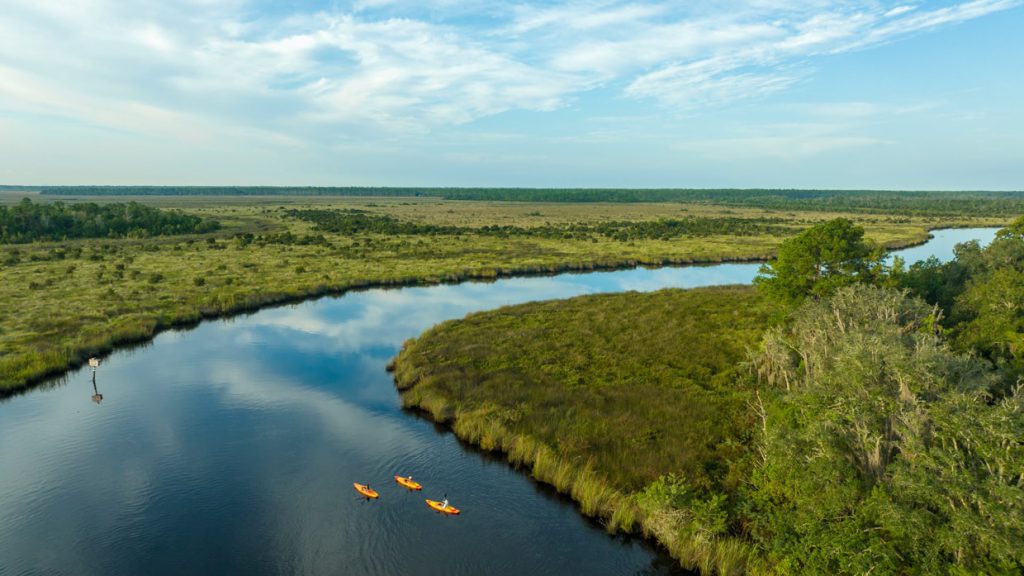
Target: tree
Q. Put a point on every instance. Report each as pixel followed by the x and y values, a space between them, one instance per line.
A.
pixel 56 221
pixel 883 452
pixel 1015 231
pixel 989 313
pixel 819 260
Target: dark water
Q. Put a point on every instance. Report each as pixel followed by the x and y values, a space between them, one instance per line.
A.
pixel 232 448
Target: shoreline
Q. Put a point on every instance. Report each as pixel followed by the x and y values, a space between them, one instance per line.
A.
pixel 259 302
pixel 273 300
pixel 618 513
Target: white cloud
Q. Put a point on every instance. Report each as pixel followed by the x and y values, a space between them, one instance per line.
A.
pixel 909 22
pixel 899 10
pixel 706 84
pixel 581 16
pixel 203 71
pixel 156 38
pixel 753 65
pixel 861 110
pixel 793 142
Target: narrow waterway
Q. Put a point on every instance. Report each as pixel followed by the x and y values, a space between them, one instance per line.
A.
pixel 232 448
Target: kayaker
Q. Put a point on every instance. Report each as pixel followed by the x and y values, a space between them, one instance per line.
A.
pixel 444 503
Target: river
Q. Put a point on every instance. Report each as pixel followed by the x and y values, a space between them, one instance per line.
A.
pixel 232 448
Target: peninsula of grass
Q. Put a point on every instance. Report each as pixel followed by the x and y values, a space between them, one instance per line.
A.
pixel 65 299
pixel 602 396
pixel 843 417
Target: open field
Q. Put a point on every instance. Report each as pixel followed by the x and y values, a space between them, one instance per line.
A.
pixel 903 202
pixel 64 301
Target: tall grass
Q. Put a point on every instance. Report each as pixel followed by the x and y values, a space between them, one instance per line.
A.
pixel 64 301
pixel 600 396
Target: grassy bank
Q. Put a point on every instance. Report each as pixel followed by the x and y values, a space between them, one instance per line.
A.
pixel 843 432
pixel 612 399
pixel 64 301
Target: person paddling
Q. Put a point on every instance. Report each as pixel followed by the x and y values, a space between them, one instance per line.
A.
pixel 444 503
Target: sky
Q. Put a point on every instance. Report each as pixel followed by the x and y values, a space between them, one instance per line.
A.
pixel 729 93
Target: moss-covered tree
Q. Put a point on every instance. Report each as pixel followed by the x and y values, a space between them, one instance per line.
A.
pixel 882 449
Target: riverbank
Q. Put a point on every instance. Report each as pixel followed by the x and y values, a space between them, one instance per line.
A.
pixel 605 396
pixel 145 329
pixel 71 300
pixel 815 432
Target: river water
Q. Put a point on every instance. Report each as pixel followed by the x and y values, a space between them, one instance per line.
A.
pixel 232 448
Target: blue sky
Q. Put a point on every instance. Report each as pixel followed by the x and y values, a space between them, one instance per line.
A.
pixel 757 93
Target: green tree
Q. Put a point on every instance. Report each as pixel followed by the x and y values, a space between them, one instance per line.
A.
pixel 987 311
pixel 881 450
pixel 27 221
pixel 1014 231
pixel 819 260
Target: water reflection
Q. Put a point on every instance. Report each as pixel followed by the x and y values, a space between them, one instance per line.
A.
pixel 96 396
pixel 93 364
pixel 943 242
pixel 382 319
pixel 376 318
pixel 232 447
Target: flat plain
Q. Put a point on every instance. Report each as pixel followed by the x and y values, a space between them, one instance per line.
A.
pixel 67 300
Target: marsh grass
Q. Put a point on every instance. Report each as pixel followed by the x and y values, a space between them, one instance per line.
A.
pixel 65 301
pixel 602 396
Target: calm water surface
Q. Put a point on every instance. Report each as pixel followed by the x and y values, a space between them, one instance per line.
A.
pixel 232 448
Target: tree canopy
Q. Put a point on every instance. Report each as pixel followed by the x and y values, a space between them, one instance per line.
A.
pixel 894 413
pixel 28 221
pixel 983 290
pixel 819 260
pixel 882 450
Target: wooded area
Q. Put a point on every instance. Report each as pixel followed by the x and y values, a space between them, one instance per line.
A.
pixel 920 203
pixel 29 221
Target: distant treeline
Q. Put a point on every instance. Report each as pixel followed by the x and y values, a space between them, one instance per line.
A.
pixel 28 221
pixel 353 222
pixel 920 203
pixel 233 191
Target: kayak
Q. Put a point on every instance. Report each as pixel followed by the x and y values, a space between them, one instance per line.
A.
pixel 365 490
pixel 410 484
pixel 440 507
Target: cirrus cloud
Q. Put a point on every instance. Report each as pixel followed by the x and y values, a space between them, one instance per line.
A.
pixel 247 69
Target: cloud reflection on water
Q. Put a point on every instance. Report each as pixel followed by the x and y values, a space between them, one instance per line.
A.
pixel 261 414
pixel 384 318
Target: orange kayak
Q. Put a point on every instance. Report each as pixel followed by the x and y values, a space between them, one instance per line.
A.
pixel 408 483
pixel 440 507
pixel 365 490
